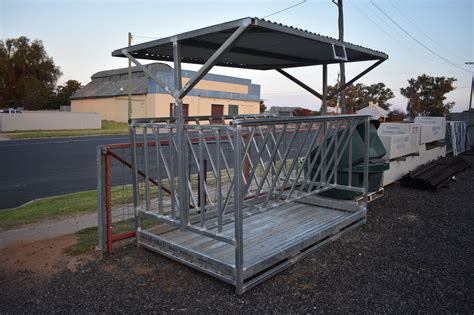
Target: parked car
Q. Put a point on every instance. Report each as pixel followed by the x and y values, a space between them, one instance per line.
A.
pixel 10 111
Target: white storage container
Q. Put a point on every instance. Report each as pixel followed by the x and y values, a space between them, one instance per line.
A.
pixel 432 128
pixel 399 139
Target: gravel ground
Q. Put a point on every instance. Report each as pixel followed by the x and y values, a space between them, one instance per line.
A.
pixel 415 254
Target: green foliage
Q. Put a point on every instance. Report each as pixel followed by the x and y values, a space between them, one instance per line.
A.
pixel 49 208
pixel 27 74
pixel 396 115
pixel 301 112
pixel 426 95
pixel 108 128
pixel 57 207
pixel 263 107
pixel 359 95
pixel 304 112
pixel 88 239
pixel 61 95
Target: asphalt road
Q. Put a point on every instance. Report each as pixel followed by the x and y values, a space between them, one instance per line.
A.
pixel 31 169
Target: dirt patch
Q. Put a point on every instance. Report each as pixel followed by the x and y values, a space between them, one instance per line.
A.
pixel 142 269
pixel 108 268
pixel 32 261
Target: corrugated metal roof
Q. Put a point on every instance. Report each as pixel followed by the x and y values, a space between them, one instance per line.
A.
pixel 265 45
pixel 114 82
pixel 157 66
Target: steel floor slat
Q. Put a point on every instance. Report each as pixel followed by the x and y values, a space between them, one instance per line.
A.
pixel 266 234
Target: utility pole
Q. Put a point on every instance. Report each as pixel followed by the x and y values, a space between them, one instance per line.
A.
pixel 342 65
pixel 470 63
pixel 129 79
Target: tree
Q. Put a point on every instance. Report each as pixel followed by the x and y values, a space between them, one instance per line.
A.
pixel 359 95
pixel 301 112
pixel 426 95
pixel 62 94
pixel 396 115
pixel 263 107
pixel 27 74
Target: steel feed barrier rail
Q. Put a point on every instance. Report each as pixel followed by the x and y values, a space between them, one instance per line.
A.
pixel 249 204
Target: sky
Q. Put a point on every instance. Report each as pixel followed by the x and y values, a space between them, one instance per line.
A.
pixel 420 36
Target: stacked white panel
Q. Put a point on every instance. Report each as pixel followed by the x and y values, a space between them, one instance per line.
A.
pixel 399 139
pixel 432 128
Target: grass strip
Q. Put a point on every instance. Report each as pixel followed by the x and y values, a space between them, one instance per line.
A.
pixel 59 207
pixel 88 238
pixel 49 208
pixel 108 128
pixel 87 241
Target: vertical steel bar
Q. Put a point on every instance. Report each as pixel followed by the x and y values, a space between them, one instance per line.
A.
pixel 136 189
pixel 325 88
pixel 351 143
pixel 308 162
pixel 129 110
pixel 101 198
pixel 324 153
pixel 172 157
pixel 282 164
pixel 324 157
pixel 349 133
pixel 258 158
pixel 238 198
pixel 325 124
pixel 336 148
pixel 182 175
pixel 147 174
pixel 366 160
pixel 294 164
pixel 246 160
pixel 272 158
pixel 202 196
pixel 158 169
pixel 108 204
pixel 218 182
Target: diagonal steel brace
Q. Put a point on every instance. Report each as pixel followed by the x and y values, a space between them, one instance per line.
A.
pixel 148 72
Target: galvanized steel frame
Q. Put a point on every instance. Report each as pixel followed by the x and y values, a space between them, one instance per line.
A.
pixel 180 140
pixel 241 135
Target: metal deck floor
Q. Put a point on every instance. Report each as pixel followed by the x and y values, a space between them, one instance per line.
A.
pixel 269 238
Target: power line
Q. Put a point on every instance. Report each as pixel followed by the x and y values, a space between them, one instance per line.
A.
pixel 294 5
pixel 390 35
pixel 147 37
pixel 415 39
pixel 423 32
pixel 402 38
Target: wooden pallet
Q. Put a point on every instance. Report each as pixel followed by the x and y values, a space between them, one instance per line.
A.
pixel 371 196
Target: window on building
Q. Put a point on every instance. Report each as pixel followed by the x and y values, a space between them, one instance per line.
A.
pixel 185 110
pixel 217 110
pixel 233 110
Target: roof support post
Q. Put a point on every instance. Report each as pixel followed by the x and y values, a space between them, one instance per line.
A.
pixel 304 86
pixel 213 59
pixel 181 145
pixel 357 77
pixel 325 90
pixel 148 72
